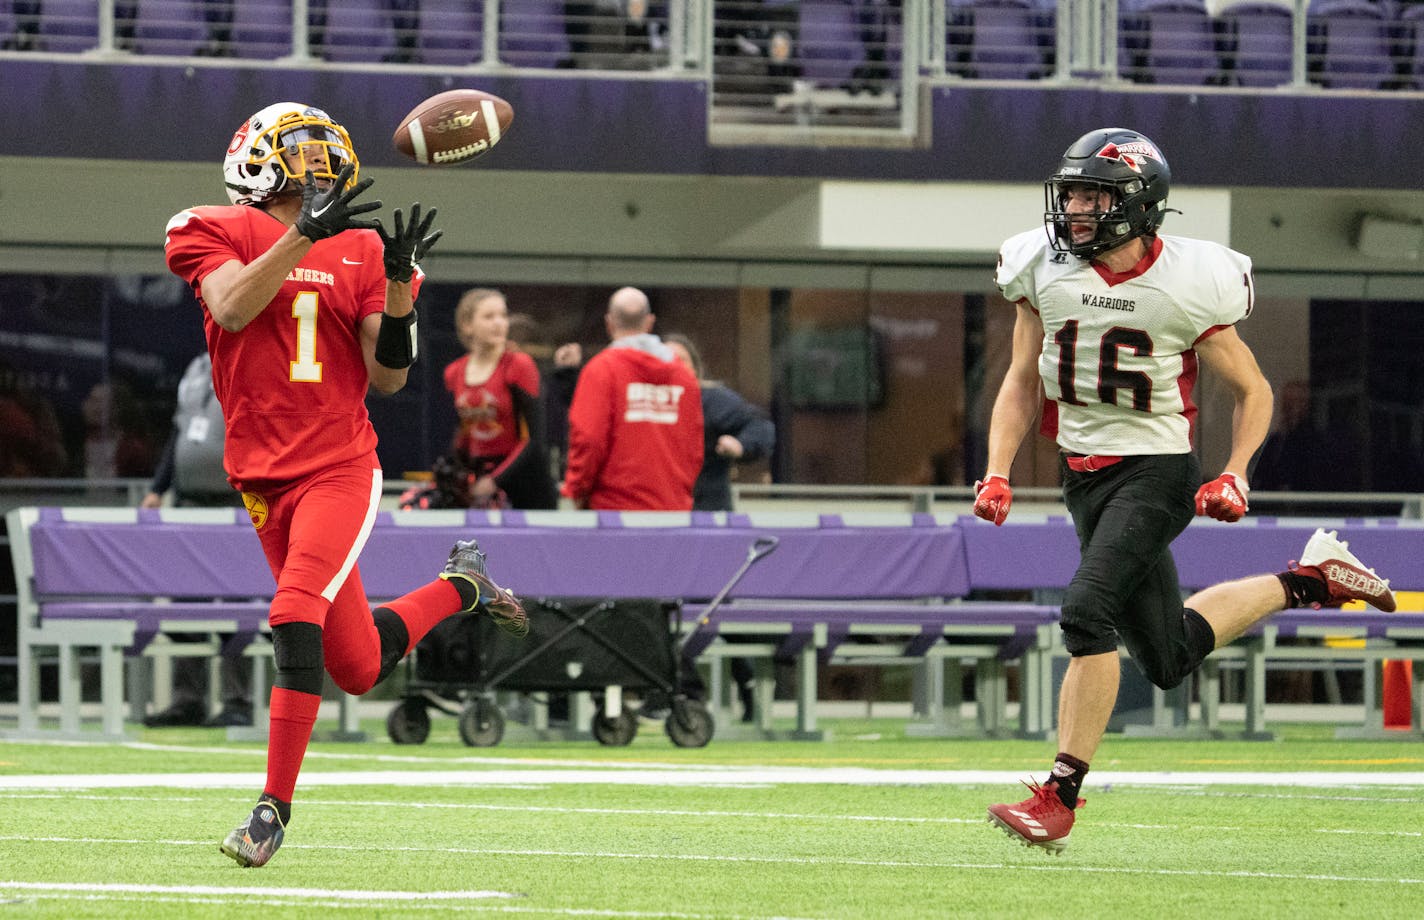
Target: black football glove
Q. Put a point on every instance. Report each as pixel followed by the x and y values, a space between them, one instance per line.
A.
pixel 409 244
pixel 327 213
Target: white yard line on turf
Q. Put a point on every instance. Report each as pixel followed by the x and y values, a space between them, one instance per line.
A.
pixel 466 901
pixel 727 776
pixel 328 894
pixel 761 860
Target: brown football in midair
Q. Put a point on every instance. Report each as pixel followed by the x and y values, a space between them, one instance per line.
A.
pixel 453 127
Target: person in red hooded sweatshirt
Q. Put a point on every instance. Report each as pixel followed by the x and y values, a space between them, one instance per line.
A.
pixel 635 424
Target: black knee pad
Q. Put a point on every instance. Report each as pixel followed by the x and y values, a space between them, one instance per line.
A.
pixel 394 639
pixel 297 650
pixel 1166 667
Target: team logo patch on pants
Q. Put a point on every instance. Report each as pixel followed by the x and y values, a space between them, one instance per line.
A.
pixel 256 508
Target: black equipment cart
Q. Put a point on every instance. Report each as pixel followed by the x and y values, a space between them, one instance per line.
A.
pixel 574 644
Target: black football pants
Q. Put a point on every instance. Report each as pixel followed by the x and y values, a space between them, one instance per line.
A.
pixel 1126 586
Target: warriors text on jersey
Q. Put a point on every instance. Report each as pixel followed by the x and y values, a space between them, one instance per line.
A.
pixel 1119 361
pixel 293 382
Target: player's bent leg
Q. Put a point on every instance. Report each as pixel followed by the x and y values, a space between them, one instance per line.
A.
pixel 466 569
pixel 1346 578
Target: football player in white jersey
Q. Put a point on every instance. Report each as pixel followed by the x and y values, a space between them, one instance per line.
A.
pixel 1112 322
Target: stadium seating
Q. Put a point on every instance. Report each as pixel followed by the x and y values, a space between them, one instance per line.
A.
pixel 356 31
pixel 829 45
pixel 174 27
pixel 1167 41
pixel 1257 39
pixel 999 39
pixel 1349 44
pixel 69 25
pixel 532 33
pixel 1411 43
pixel 451 32
pixel 262 29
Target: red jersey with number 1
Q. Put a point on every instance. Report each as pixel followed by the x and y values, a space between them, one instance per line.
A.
pixel 293 382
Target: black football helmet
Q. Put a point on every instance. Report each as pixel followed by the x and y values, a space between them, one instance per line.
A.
pixel 1122 162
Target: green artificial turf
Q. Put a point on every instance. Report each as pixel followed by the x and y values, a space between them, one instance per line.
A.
pixel 687 848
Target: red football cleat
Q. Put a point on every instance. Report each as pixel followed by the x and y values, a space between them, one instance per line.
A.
pixel 1041 820
pixel 1346 577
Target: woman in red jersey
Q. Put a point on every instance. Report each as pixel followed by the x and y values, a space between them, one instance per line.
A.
pixel 500 437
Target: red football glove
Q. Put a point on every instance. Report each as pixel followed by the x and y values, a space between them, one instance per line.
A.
pixel 1224 498
pixel 992 498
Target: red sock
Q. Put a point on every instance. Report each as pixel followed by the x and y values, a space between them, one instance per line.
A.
pixel 422 608
pixel 293 715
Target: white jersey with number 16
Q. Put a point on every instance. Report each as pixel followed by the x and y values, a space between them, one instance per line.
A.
pixel 1119 361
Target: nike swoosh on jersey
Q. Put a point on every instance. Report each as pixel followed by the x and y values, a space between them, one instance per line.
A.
pixel 346 261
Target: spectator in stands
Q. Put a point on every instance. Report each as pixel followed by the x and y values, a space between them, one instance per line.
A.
pixel 755 47
pixel 192 469
pixel 635 425
pixel 498 399
pixel 733 431
pixel 1111 319
pixel 299 442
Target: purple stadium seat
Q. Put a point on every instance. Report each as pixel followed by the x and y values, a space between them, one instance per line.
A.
pixel 1349 44
pixel 169 27
pixel 830 46
pixel 450 32
pixel 262 29
pixel 1167 42
pixel 1411 19
pixel 532 33
pixel 358 31
pixel 1258 35
pixel 69 25
pixel 999 39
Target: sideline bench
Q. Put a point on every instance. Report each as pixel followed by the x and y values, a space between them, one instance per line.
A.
pixel 113 579
pixel 107 579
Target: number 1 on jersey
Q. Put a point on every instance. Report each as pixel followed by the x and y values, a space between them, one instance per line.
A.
pixel 306 369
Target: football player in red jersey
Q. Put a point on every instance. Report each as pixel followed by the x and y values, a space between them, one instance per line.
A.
pixel 306 306
pixel 1112 319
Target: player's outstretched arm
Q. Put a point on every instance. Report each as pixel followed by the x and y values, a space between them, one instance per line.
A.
pixel 1231 359
pixel 1015 408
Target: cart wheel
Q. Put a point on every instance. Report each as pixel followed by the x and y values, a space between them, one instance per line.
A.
pixel 617 730
pixel 481 723
pixel 689 724
pixel 409 722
